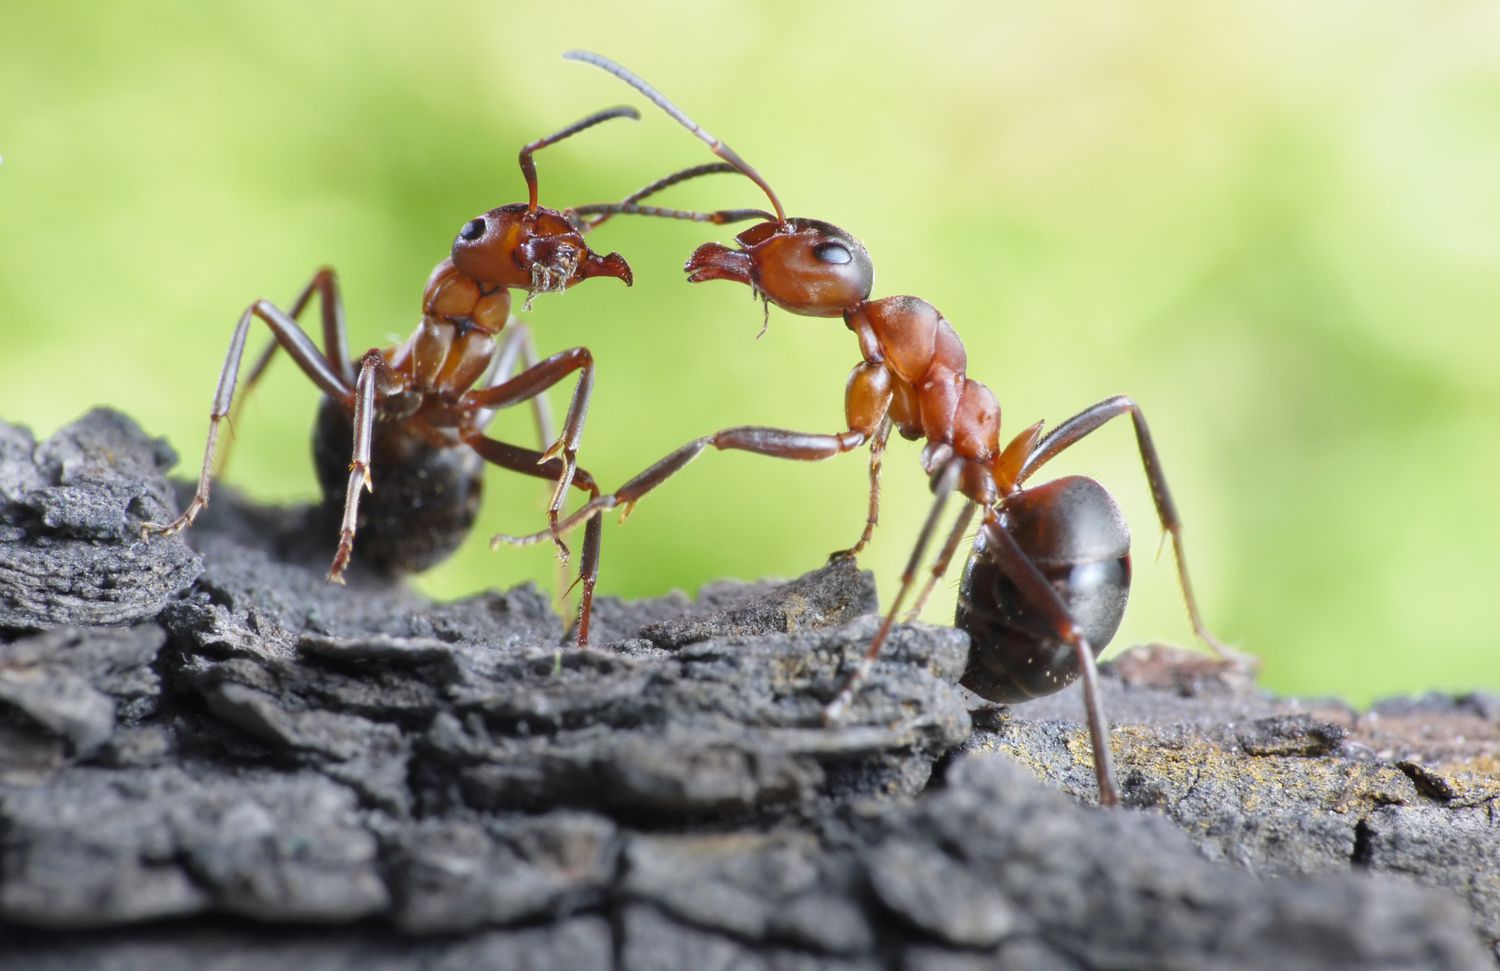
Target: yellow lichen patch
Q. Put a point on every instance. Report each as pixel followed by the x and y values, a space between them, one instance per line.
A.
pixel 1178 765
pixel 1481 765
pixel 1337 785
pixel 795 610
pixel 1021 753
pixel 1081 747
pixel 1467 782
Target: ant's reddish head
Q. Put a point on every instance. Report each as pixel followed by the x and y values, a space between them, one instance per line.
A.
pixel 803 266
pixel 530 249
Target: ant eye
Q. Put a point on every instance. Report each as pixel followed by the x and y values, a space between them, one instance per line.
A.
pixel 472 230
pixel 833 253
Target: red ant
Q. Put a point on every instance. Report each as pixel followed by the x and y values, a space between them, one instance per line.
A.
pixel 414 410
pixel 1049 570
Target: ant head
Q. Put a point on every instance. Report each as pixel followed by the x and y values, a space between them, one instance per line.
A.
pixel 531 249
pixel 803 266
pixel 528 247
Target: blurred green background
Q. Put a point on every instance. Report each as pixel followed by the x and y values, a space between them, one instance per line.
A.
pixel 1276 224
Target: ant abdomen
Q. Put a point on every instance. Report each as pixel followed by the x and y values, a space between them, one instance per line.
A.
pixel 426 500
pixel 1074 532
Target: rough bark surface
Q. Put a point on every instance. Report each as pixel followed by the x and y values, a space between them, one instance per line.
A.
pixel 210 758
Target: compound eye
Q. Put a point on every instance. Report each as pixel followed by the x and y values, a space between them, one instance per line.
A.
pixel 832 252
pixel 473 229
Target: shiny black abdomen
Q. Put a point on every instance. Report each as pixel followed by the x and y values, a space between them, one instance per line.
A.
pixel 1073 530
pixel 426 497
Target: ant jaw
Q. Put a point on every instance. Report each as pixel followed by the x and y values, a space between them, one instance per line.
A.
pixel 714 261
pixel 569 269
pixel 613 265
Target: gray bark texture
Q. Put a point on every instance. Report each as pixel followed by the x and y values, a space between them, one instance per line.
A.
pixel 210 758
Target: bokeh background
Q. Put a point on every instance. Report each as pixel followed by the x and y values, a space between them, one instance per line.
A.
pixel 1275 223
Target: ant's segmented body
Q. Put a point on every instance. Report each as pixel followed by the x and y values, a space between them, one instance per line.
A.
pixel 1049 571
pixel 413 412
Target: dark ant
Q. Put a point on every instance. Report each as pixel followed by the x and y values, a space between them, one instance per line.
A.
pixel 1047 578
pixel 414 410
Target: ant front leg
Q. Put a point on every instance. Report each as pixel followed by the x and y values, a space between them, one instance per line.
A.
pixel 877 454
pixel 867 402
pixel 775 442
pixel 529 462
pixel 312 362
pixel 532 382
pixel 1090 420
pixel 371 368
pixel 867 407
pixel 516 346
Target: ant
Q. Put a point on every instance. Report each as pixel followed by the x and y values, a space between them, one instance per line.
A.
pixel 413 410
pixel 1047 577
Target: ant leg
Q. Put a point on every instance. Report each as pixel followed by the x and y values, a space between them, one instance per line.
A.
pixel 529 462
pixel 325 284
pixel 775 442
pixel 308 358
pixel 588 575
pixel 867 402
pixel 877 453
pixel 942 488
pixel 516 343
pixel 1090 420
pixel 940 565
pixel 335 343
pixel 1019 568
pixel 359 464
pixel 532 382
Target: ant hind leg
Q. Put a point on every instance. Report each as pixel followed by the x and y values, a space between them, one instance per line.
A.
pixel 1090 420
pixel 1018 567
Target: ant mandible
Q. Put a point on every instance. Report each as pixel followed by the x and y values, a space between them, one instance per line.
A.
pixel 412 411
pixel 1046 581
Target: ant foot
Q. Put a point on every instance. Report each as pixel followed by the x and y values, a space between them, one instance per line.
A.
pixel 1232 659
pixel 856 549
pixel 1237 661
pixel 341 559
pixel 175 526
pixel 563 553
pixel 834 711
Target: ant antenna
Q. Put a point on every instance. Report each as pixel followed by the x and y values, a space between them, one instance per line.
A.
pixel 629 205
pixel 528 167
pixel 657 98
pixel 667 181
pixel 604 210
